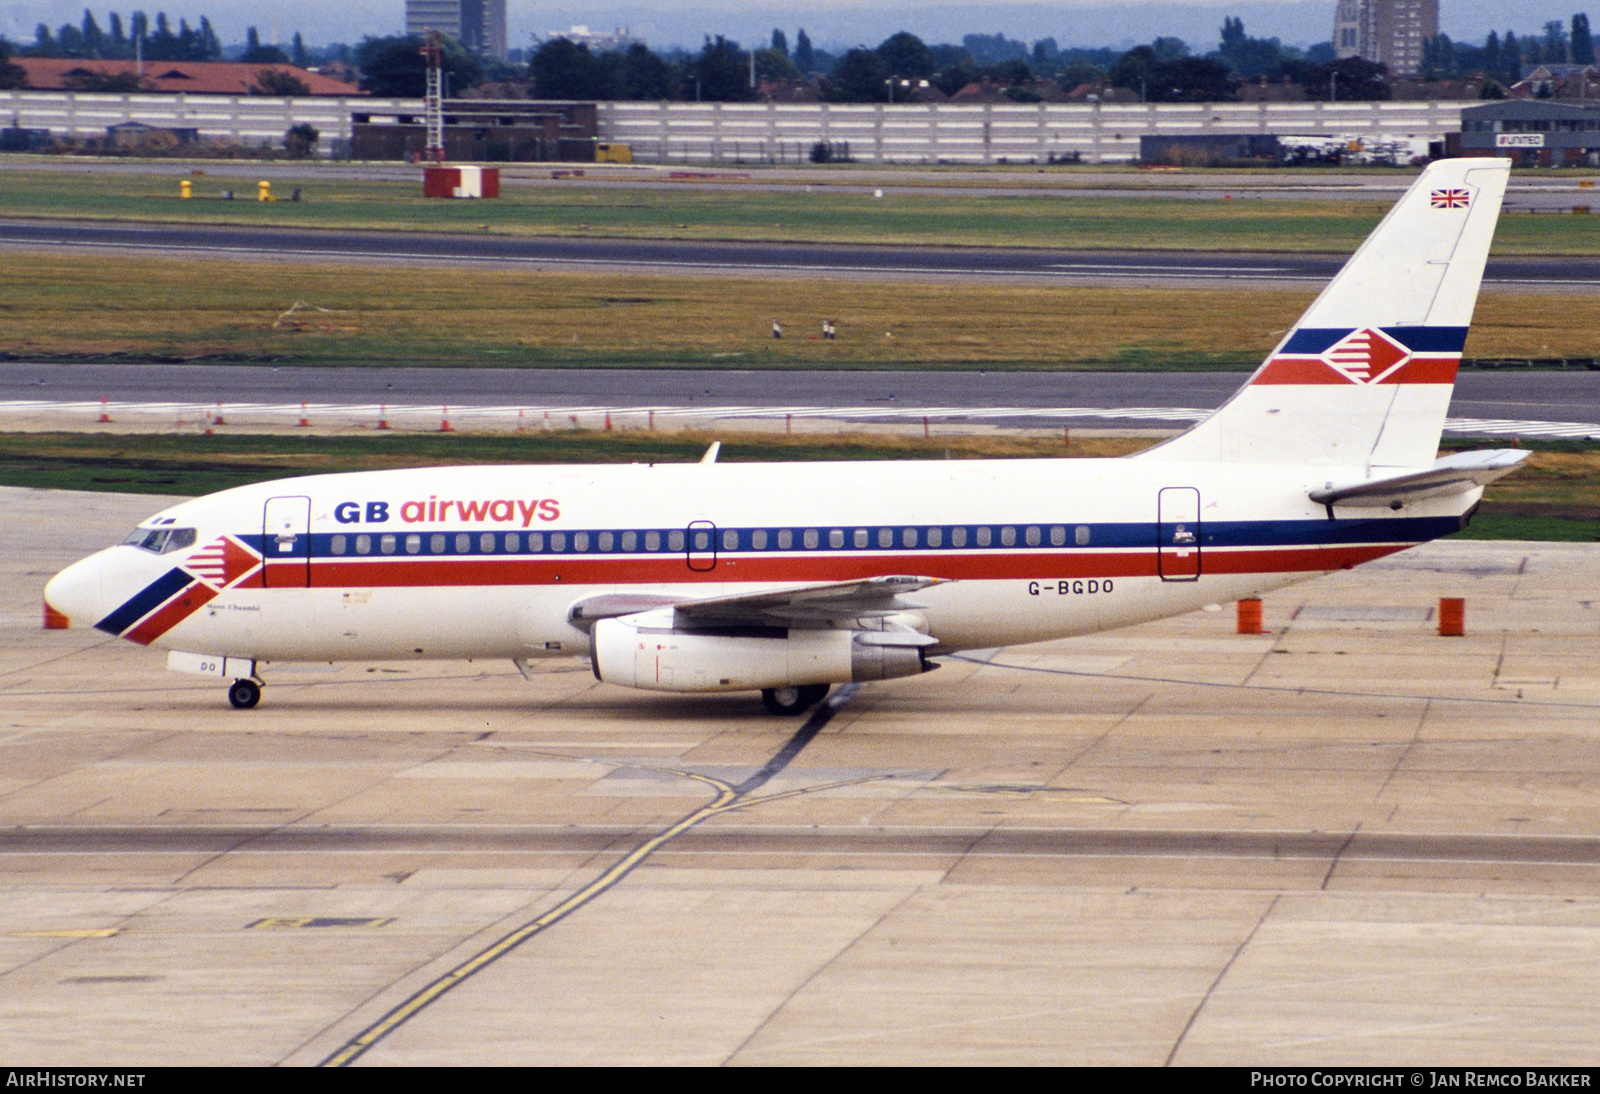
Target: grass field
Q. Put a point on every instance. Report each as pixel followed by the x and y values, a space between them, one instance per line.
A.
pixel 90 308
pixel 1554 496
pixel 928 216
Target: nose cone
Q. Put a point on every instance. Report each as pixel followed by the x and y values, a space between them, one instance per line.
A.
pixel 77 593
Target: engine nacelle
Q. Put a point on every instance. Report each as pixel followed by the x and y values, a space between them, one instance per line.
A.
pixel 630 652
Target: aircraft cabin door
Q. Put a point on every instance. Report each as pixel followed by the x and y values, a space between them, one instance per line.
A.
pixel 1178 534
pixel 286 546
pixel 702 546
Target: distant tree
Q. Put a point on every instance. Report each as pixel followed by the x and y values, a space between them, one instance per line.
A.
pixel 772 65
pixel 956 74
pixel 721 71
pixel 1137 70
pixel 780 42
pixel 257 54
pixel 804 58
pixel 1046 56
pixel 1359 80
pixel 905 55
pixel 859 77
pixel 393 67
pixel 991 49
pixel 1511 58
pixel 1012 73
pixel 1320 54
pixel 1167 50
pixel 13 77
pixel 562 69
pixel 271 81
pixel 641 75
pixel 1555 42
pixel 1248 57
pixel 299 56
pixel 1077 74
pixel 118 38
pixel 93 37
pixel 301 140
pixel 1582 40
pixel 1181 79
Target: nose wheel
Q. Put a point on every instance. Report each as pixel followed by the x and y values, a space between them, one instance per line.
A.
pixel 793 700
pixel 244 694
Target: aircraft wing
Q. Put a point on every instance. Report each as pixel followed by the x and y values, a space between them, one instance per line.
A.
pixel 787 603
pixel 1450 475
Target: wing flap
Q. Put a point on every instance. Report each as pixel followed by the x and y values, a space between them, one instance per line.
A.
pixel 816 600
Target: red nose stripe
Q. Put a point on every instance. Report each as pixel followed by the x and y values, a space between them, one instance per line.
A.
pixel 170 614
pixel 54 620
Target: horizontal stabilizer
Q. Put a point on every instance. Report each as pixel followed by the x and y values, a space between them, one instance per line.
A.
pixel 1450 475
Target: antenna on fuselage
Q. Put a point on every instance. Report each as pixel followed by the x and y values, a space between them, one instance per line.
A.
pixel 711 453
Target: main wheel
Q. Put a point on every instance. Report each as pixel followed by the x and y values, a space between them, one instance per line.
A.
pixel 244 694
pixel 794 699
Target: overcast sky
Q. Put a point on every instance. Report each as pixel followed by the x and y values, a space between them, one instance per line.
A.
pixel 837 22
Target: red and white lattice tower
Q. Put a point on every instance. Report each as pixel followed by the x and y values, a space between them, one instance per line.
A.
pixel 433 110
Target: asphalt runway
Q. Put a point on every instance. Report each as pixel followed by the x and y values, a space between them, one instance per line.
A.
pixel 744 259
pixel 62 396
pixel 1348 841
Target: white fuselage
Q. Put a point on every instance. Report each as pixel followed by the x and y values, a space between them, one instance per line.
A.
pixel 488 561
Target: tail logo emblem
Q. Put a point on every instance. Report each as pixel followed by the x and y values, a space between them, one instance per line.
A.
pixel 1450 199
pixel 1366 356
pixel 222 562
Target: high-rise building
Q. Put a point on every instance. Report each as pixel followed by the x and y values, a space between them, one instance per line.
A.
pixel 480 25
pixel 1389 32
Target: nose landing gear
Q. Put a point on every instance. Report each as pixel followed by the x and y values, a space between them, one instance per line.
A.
pixel 244 694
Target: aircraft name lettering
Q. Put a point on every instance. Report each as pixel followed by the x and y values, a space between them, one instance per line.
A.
pixel 496 511
pixel 1065 587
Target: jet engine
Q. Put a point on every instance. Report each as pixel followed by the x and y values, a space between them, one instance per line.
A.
pixel 648 651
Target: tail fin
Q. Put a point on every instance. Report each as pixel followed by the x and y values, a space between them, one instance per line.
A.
pixel 1364 379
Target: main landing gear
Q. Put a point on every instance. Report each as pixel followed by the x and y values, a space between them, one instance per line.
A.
pixel 244 694
pixel 793 700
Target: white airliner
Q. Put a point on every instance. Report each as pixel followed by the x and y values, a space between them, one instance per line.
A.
pixel 789 578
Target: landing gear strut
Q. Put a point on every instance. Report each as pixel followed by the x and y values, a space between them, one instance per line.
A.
pixel 793 700
pixel 244 694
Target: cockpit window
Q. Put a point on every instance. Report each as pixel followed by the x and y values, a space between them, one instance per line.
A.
pixel 161 541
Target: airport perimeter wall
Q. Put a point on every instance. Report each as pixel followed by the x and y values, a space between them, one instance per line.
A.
pixel 778 132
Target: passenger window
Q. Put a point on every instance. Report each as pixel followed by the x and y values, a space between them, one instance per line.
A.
pixel 885 537
pixel 908 537
pixel 336 545
pixel 436 543
pixel 984 537
pixel 758 539
pixel 836 537
pixel 652 541
pixel 386 544
pixel 513 541
pixel 1080 535
pixel 486 543
pixel 809 538
pixel 674 541
pixel 606 541
pixel 1031 536
pixel 860 537
pixel 580 541
pixel 958 537
pixel 730 540
pixel 558 541
pixel 785 538
pixel 630 541
pixel 702 541
pixel 463 543
pixel 1058 535
pixel 363 545
pixel 935 537
pixel 535 542
pixel 1008 536
pixel 413 544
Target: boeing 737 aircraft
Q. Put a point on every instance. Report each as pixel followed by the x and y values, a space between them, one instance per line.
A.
pixel 788 578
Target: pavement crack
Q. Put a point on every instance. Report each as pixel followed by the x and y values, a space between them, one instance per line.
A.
pixel 1206 998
